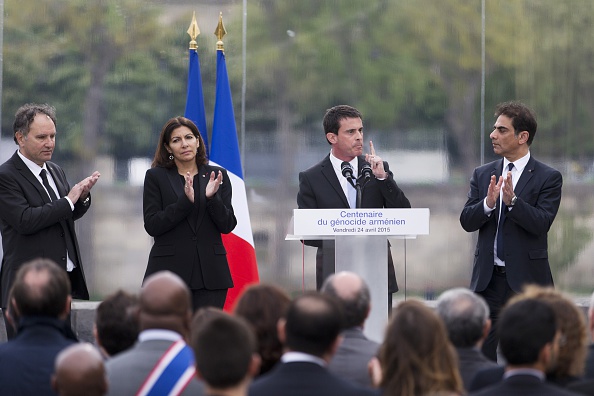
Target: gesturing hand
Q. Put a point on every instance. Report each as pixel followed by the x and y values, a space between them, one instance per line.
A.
pixel 189 187
pixel 377 164
pixel 213 184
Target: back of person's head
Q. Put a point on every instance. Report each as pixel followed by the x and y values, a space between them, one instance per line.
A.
pixel 465 315
pixel 262 305
pixel 41 288
pixel 164 303
pixel 573 348
pixel 313 324
pixel 352 293
pixel 526 326
pixel 416 356
pixel 116 322
pixel 79 371
pixel 225 350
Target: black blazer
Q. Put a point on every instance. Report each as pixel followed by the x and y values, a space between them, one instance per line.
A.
pixel 188 236
pixel 319 188
pixel 33 226
pixel 525 229
pixel 304 378
pixel 523 385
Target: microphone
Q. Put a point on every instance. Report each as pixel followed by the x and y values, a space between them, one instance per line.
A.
pixel 347 171
pixel 366 170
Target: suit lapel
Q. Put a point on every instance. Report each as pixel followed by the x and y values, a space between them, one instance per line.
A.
pixel 178 186
pixel 175 181
pixel 203 178
pixel 527 174
pixel 60 184
pixel 28 175
pixel 497 171
pixel 330 175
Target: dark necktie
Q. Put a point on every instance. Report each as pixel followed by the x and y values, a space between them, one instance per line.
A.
pixel 47 186
pixel 69 240
pixel 500 247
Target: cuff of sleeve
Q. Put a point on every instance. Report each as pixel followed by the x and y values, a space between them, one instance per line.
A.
pixel 70 202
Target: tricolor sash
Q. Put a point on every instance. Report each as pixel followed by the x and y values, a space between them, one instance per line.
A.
pixel 172 373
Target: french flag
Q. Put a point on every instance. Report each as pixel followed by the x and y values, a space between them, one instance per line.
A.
pixel 224 152
pixel 195 99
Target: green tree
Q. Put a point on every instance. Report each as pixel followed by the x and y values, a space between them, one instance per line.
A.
pixel 113 72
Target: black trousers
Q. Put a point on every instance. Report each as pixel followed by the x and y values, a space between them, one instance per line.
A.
pixel 202 298
pixel 496 295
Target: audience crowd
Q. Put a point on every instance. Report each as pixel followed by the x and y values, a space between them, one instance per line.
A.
pixel 274 344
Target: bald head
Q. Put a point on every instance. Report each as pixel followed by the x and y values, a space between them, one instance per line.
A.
pixel 41 288
pixel 79 371
pixel 164 303
pixel 352 293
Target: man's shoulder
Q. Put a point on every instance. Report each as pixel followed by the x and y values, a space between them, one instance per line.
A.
pixel 541 166
pixel 290 376
pixel 9 164
pixel 316 167
pixel 488 166
pixel 146 352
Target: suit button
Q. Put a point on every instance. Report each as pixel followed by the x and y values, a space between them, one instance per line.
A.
pixel 194 238
pixel 62 234
pixel 63 258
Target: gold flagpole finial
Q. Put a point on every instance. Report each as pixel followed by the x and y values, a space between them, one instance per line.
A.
pixel 220 32
pixel 193 31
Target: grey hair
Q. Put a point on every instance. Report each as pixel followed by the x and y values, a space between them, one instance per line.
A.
pixel 464 314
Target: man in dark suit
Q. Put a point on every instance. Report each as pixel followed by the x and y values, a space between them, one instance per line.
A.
pixel 161 361
pixel 512 202
pixel 324 187
pixel 40 297
pixel 351 360
pixel 38 205
pixel 311 334
pixel 225 349
pixel 466 317
pixel 530 343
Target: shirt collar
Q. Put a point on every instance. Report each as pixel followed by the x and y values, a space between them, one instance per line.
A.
pixel 159 334
pixel 33 167
pixel 524 371
pixel 293 356
pixel 337 164
pixel 519 164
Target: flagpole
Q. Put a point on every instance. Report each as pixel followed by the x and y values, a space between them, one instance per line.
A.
pixel 195 99
pixel 244 81
pixel 239 244
pixel 193 31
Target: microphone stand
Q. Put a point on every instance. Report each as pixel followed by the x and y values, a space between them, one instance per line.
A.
pixel 361 182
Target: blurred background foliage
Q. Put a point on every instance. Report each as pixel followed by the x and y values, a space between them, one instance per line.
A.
pixel 116 70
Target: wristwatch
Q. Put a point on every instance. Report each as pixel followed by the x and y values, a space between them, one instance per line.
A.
pixel 513 200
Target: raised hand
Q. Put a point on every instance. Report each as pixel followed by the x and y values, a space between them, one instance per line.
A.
pixel 213 184
pixel 189 186
pixel 377 164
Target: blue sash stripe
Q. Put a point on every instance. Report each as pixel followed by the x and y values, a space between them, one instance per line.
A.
pixel 170 375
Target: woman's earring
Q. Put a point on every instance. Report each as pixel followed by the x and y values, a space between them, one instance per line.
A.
pixel 171 157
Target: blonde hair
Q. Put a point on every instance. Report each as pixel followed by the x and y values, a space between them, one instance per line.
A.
pixel 416 356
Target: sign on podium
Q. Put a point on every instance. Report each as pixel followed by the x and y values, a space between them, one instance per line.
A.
pixel 360 237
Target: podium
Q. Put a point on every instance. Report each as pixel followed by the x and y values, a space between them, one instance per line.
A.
pixel 360 237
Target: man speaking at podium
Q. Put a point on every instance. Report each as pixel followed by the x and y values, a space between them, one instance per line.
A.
pixel 326 185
